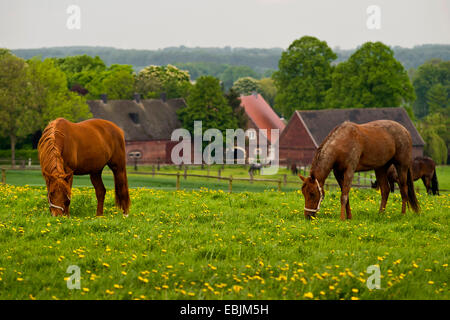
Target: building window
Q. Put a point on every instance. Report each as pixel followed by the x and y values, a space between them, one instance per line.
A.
pixel 136 154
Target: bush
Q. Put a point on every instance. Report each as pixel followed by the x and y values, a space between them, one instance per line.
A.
pixel 20 154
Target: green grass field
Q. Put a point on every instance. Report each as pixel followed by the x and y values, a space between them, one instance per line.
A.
pixel 34 178
pixel 208 244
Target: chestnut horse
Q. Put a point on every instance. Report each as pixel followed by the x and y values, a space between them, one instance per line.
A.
pixel 349 148
pixel 67 149
pixel 423 168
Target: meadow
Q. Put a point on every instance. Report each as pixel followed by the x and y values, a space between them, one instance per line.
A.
pixel 201 243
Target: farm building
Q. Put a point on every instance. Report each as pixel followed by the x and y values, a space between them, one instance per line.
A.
pixel 147 124
pixel 260 116
pixel 307 129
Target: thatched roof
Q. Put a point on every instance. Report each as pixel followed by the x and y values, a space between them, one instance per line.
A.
pixel 321 122
pixel 150 119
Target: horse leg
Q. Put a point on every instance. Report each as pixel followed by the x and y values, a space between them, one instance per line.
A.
pixel 382 179
pixel 427 184
pixel 402 172
pixel 345 189
pixel 100 191
pixel 392 185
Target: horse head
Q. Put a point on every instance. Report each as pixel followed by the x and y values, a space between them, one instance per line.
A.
pixel 59 191
pixel 313 193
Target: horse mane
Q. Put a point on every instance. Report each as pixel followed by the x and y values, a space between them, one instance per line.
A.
pixel 50 157
pixel 318 155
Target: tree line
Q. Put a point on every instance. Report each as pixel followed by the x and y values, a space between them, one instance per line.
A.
pixel 259 60
pixel 308 76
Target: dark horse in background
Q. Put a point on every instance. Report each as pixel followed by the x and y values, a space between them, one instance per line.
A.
pixel 294 169
pixel 349 148
pixel 254 167
pixel 423 168
pixel 67 149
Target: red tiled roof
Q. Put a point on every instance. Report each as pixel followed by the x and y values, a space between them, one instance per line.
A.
pixel 262 115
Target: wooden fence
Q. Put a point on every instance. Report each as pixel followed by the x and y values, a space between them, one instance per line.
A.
pixel 279 182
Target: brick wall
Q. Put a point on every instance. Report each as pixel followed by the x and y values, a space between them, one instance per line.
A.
pixel 296 145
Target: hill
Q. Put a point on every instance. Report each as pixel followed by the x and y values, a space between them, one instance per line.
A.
pixel 260 60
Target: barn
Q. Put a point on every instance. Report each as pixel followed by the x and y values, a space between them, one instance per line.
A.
pixel 307 129
pixel 147 124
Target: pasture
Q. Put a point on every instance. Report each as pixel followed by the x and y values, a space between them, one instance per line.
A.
pixel 208 244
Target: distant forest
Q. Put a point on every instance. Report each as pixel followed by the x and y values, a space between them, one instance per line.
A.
pixel 200 61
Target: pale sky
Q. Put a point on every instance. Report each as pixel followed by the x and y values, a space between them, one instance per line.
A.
pixel 154 24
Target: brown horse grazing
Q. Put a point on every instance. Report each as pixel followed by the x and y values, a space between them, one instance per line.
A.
pixel 67 149
pixel 351 147
pixel 423 168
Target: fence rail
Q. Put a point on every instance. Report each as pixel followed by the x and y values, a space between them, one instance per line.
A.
pixel 281 181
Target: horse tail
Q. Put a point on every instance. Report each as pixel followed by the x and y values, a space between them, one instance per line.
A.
pixel 412 199
pixel 434 183
pixel 121 188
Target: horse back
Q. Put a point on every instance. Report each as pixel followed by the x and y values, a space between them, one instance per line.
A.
pixel 90 145
pixel 383 141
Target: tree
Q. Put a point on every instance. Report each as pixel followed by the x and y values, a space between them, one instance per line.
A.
pixel 268 90
pixel 434 129
pixel 246 86
pixel 117 81
pixel 33 93
pixel 429 75
pixel 50 96
pixel 18 117
pixel 154 80
pixel 80 69
pixel 438 99
pixel 370 78
pixel 238 111
pixel 304 75
pixel 232 73
pixel 206 103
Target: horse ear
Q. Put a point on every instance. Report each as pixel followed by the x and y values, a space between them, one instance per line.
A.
pixel 302 177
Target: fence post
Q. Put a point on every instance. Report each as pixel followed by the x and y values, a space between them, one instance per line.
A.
pixel 178 181
pixel 207 167
pixel 230 185
pixel 135 164
pixel 185 172
pixel 285 180
pixel 279 185
pixel 3 176
pixel 219 172
pixel 153 170
pixel 251 177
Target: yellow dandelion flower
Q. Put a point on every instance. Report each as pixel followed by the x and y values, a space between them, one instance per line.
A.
pixel 308 295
